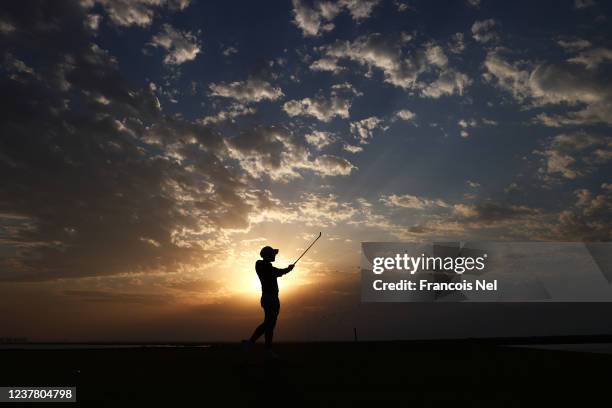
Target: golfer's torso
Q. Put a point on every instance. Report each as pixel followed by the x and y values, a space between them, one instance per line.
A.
pixel 267 277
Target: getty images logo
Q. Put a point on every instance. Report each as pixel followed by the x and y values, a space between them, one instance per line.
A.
pixel 412 264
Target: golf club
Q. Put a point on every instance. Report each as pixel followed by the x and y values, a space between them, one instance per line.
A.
pixel 303 253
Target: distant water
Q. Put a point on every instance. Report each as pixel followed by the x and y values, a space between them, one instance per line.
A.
pixel 42 346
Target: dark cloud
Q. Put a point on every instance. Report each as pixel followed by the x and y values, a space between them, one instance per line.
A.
pixel 95 179
pixel 115 297
pixel 101 181
pixel 280 154
pixel 492 212
pixel 580 85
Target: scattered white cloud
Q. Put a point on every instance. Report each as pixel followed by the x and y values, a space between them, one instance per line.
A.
pixel 569 84
pixel 326 64
pixel 593 57
pixel 493 213
pixel 229 51
pixel 375 51
pixel 329 165
pixel 251 90
pixel 482 31
pixel 320 139
pixel 93 21
pixel 135 12
pixel 364 129
pixel 359 9
pixel 449 82
pixel 401 6
pixel 324 108
pixel 412 201
pixel 278 153
pixel 316 18
pixel 574 45
pixel 230 114
pixel 326 210
pixel 352 148
pixel 405 114
pixel 572 155
pixel 313 20
pixel 511 77
pixel 181 46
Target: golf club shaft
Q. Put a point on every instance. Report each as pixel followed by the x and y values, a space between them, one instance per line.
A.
pixel 310 246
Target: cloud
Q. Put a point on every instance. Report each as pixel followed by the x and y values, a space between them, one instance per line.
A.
pixel 405 114
pixel 180 46
pixel 316 18
pixel 326 64
pixel 572 155
pixel 99 296
pixel 569 84
pixel 574 45
pixel 117 186
pixel 376 51
pixel 229 51
pixel 135 12
pixel 474 3
pixel 324 210
pixel 6 27
pixel 321 107
pixel 352 148
pixel 582 4
pixel 466 124
pixel 230 114
pixel 320 139
pixel 493 212
pixel 363 129
pixel 412 202
pixel 482 31
pixel 329 165
pixel 589 219
pixel 449 82
pixel 359 9
pixel 278 153
pixel 509 76
pixel 251 90
pixel 593 57
pixel 457 43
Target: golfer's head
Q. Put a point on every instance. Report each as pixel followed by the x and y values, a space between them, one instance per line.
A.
pixel 268 253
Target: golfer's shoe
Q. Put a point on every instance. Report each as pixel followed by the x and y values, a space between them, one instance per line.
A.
pixel 246 345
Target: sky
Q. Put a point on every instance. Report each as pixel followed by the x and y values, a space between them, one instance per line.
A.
pixel 150 148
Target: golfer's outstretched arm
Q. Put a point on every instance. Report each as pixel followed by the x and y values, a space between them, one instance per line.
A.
pixel 281 272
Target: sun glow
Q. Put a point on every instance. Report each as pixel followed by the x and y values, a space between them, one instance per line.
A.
pixel 247 282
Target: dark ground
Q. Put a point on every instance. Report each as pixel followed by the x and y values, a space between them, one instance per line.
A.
pixel 410 374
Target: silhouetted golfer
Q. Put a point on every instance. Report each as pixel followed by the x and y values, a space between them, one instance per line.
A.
pixel 269 297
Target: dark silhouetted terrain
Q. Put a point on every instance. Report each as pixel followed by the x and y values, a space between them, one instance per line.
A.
pixel 411 374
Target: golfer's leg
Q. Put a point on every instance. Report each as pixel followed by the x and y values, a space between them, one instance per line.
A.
pixel 259 331
pixel 270 323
